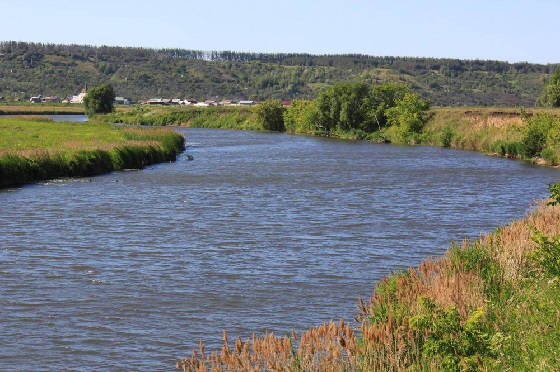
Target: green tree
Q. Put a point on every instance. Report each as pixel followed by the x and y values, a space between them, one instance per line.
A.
pixel 344 106
pixel 550 95
pixel 99 100
pixel 270 114
pixel 408 114
pixel 301 117
pixel 385 96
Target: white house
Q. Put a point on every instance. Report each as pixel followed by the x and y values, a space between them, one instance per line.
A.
pixel 80 97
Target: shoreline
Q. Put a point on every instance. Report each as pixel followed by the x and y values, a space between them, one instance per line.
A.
pixel 136 149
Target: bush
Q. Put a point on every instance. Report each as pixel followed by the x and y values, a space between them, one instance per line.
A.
pixel 446 137
pixel 546 253
pixel 509 149
pixel 271 115
pixel 550 156
pixel 537 133
pixel 457 346
pixel 554 190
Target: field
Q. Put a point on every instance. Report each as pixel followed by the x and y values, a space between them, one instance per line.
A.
pixel 37 149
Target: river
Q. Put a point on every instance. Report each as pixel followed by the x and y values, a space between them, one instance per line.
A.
pixel 261 231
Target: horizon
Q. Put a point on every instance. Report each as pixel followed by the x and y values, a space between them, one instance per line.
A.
pixel 499 31
pixel 255 52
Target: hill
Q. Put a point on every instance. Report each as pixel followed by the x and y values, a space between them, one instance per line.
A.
pixel 28 69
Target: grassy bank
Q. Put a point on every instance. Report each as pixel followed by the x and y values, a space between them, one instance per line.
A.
pixel 41 109
pixel 532 134
pixel 200 117
pixel 27 108
pixel 504 132
pixel 491 304
pixel 32 150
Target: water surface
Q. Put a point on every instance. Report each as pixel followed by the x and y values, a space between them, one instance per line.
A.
pixel 259 232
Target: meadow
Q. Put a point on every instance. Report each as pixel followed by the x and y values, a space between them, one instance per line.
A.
pixel 39 148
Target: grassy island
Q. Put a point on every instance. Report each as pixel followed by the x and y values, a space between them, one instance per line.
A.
pixel 38 149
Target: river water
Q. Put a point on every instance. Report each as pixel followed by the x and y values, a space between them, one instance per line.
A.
pixel 259 232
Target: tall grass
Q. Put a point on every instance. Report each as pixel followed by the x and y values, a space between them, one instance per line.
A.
pixel 26 108
pixel 202 117
pixel 484 305
pixel 32 150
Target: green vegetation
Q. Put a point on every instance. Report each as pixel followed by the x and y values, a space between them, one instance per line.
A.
pixel 32 150
pixel 551 93
pixel 26 108
pixel 270 115
pixel 345 110
pixel 99 100
pixel 139 73
pixel 243 118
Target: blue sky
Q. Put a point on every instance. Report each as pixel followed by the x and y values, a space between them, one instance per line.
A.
pixel 492 29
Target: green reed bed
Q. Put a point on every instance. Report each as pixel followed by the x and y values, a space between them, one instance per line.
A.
pixel 38 149
pixel 242 118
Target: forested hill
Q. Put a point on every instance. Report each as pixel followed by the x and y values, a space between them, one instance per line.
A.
pixel 28 69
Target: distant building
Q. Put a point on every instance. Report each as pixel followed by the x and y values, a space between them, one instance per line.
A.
pixel 36 99
pixel 176 101
pixel 80 97
pixel 246 103
pixel 51 99
pixel 286 103
pixel 121 101
pixel 201 104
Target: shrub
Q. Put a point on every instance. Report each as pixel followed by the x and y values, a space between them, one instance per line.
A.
pixel 550 156
pixel 457 346
pixel 537 133
pixel 546 253
pixel 271 115
pixel 446 137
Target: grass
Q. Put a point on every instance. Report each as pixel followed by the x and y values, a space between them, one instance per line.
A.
pixel 485 305
pixel 201 117
pixel 41 109
pixel 28 108
pixel 32 150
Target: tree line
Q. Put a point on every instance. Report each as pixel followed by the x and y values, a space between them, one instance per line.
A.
pixel 28 69
pixel 356 108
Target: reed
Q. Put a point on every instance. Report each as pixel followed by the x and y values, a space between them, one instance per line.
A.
pixel 33 150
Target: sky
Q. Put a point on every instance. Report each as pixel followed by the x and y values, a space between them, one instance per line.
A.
pixel 514 31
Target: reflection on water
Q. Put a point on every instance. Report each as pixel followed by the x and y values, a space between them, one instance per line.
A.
pixel 260 232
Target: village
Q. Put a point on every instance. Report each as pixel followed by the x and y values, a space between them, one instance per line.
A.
pixel 79 99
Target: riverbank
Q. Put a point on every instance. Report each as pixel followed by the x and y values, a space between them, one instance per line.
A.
pixel 39 149
pixel 41 109
pixel 493 131
pixel 26 108
pixel 491 304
